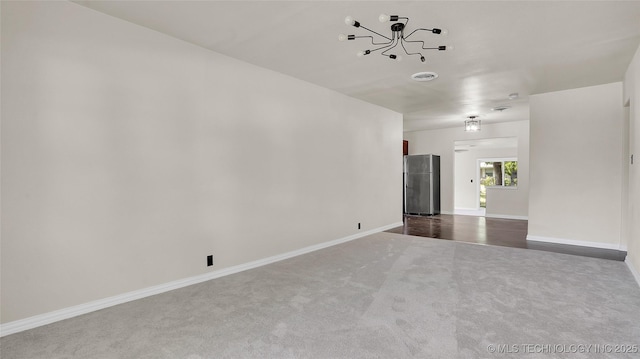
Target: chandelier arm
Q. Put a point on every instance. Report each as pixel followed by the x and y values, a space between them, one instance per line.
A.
pixel 407 52
pixel 373 42
pixel 390 48
pixel 406 18
pixel 406 37
pixel 424 48
pixel 375 33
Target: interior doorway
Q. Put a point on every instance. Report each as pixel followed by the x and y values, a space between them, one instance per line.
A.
pixel 478 165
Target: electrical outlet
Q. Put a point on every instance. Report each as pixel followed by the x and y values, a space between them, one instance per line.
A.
pixel 209 260
pixel 358 225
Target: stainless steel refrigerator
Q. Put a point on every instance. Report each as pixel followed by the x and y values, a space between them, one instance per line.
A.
pixel 422 184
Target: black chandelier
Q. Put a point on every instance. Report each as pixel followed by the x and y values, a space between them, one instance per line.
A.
pixel 397 37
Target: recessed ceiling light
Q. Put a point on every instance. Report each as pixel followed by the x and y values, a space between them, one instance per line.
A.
pixel 500 108
pixel 424 76
pixel 513 96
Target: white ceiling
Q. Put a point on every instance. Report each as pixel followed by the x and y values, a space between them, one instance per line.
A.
pixel 486 143
pixel 501 47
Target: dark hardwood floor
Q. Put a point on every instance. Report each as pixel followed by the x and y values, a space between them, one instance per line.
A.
pixel 494 231
pixel 491 231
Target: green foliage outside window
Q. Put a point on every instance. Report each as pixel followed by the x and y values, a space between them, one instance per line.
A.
pixel 511 173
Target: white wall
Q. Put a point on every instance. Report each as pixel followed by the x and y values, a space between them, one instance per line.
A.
pixel 129 156
pixel 632 211
pixel 441 142
pixel 500 202
pixel 465 167
pixel 576 165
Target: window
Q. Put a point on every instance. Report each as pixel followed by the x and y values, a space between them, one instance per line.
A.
pixel 499 173
pixel 503 173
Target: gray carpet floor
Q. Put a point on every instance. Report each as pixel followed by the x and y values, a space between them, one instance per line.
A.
pixel 382 296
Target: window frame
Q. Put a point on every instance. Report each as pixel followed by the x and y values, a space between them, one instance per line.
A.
pixel 497 159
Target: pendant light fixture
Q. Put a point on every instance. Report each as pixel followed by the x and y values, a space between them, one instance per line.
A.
pixel 387 44
pixel 472 125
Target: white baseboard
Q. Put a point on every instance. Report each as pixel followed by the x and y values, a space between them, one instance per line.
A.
pixel 633 270
pixel 70 312
pixel 506 216
pixel 477 212
pixel 446 212
pixel 574 242
pixel 461 209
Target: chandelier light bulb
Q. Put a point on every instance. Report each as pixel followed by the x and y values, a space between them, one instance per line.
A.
pixel 384 18
pixel 349 20
pixel 449 48
pixel 398 58
pixel 444 32
pixel 342 37
pixel 360 53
